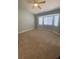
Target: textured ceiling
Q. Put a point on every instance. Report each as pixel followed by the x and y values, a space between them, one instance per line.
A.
pixel 49 5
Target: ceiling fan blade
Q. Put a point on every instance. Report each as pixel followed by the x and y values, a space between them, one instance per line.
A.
pixel 35 1
pixel 42 2
pixel 39 7
pixel 30 1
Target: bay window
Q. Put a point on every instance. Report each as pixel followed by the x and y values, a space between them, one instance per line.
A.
pixel 50 20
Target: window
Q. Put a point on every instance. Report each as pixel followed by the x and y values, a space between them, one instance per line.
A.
pixel 56 20
pixel 40 20
pixel 49 20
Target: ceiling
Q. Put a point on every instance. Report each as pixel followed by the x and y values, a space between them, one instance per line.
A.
pixel 49 5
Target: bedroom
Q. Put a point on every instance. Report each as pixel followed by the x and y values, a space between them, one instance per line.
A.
pixel 39 29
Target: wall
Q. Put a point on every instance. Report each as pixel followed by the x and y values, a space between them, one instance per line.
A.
pixel 25 20
pixel 57 10
pixel 57 29
pixel 25 17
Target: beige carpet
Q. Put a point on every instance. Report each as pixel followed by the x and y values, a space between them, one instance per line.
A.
pixel 39 44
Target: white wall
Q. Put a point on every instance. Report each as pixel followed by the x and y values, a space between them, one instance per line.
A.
pixel 25 20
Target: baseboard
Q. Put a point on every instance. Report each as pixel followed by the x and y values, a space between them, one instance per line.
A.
pixel 25 30
pixel 56 32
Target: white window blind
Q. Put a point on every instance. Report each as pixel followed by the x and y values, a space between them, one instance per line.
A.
pixel 40 20
pixel 49 20
pixel 56 20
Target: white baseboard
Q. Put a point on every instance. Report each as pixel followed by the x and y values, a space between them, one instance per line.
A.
pixel 26 30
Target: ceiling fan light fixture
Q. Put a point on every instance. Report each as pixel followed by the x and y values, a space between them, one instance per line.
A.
pixel 35 4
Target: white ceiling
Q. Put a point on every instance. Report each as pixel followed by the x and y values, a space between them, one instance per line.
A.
pixel 49 5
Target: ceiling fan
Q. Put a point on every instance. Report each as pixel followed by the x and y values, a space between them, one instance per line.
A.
pixel 36 3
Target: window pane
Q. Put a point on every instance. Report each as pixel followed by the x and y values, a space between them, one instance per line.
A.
pixel 40 20
pixel 48 20
pixel 56 20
